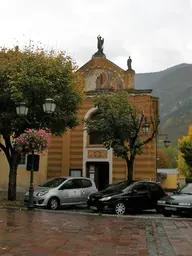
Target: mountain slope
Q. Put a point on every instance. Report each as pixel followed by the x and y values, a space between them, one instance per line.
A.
pixel 174 88
pixel 146 80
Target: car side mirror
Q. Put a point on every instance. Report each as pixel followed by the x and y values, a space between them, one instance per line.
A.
pixel 134 191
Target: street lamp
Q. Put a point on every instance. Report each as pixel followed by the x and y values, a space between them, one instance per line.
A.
pixel 49 106
pixel 22 110
pixel 167 142
pixel 145 126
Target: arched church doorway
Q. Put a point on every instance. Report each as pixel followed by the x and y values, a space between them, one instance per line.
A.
pixel 99 172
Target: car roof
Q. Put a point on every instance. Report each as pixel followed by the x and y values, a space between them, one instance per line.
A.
pixel 134 181
pixel 148 181
pixel 69 177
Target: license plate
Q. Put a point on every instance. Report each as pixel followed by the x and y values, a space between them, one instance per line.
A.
pixel 171 209
pixel 93 207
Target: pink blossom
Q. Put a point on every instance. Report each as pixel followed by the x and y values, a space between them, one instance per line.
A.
pixel 34 140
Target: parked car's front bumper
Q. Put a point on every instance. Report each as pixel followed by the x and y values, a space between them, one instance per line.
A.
pixel 100 205
pixel 38 201
pixel 175 209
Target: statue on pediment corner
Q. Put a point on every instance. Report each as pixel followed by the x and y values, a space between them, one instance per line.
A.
pixel 129 61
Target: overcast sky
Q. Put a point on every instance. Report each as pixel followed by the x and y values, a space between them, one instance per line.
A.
pixel 156 33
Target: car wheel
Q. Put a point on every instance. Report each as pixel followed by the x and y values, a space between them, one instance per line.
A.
pixel 53 203
pixel 166 214
pixel 158 209
pixel 120 208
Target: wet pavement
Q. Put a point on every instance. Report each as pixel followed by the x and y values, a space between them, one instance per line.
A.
pixel 79 209
pixel 44 233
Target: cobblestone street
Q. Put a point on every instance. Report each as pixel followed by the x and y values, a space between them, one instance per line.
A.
pixel 43 233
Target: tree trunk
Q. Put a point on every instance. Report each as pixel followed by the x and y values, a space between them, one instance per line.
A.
pixel 13 178
pixel 12 183
pixel 130 163
pixel 129 170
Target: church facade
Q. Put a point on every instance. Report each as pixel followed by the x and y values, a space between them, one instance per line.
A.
pixel 77 154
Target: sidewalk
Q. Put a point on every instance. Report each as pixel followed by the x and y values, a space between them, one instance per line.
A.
pixel 20 193
pixel 24 233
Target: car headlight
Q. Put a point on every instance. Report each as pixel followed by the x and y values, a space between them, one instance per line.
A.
pixel 42 193
pixel 184 204
pixel 161 202
pixel 105 198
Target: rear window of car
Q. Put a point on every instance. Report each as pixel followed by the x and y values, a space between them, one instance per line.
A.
pixel 86 183
pixel 154 187
pixel 141 186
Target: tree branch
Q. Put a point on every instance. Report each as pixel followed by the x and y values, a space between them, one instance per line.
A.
pixel 136 135
pixel 6 151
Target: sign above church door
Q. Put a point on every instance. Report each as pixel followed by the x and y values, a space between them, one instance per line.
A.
pixel 97 154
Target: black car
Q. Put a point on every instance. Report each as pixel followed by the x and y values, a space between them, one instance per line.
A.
pixel 122 197
pixel 177 204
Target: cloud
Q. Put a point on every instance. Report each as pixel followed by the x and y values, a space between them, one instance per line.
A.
pixel 155 33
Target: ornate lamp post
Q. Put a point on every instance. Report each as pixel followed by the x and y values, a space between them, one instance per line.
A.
pixel 22 110
pixel 48 107
pixel 145 126
pixel 166 144
pixel 166 141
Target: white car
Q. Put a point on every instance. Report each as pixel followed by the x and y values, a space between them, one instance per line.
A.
pixel 62 191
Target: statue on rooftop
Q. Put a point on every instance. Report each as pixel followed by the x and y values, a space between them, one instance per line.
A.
pixel 100 42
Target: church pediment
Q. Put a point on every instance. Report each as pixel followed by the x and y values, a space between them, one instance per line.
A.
pixel 101 73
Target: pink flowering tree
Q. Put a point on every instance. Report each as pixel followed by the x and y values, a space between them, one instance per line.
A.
pixel 33 141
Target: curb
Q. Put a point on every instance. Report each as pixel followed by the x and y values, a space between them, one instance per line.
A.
pixel 96 214
pixel 21 208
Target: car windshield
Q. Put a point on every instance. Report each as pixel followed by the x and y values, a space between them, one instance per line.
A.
pixel 128 188
pixel 187 189
pixel 117 186
pixel 121 186
pixel 53 183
